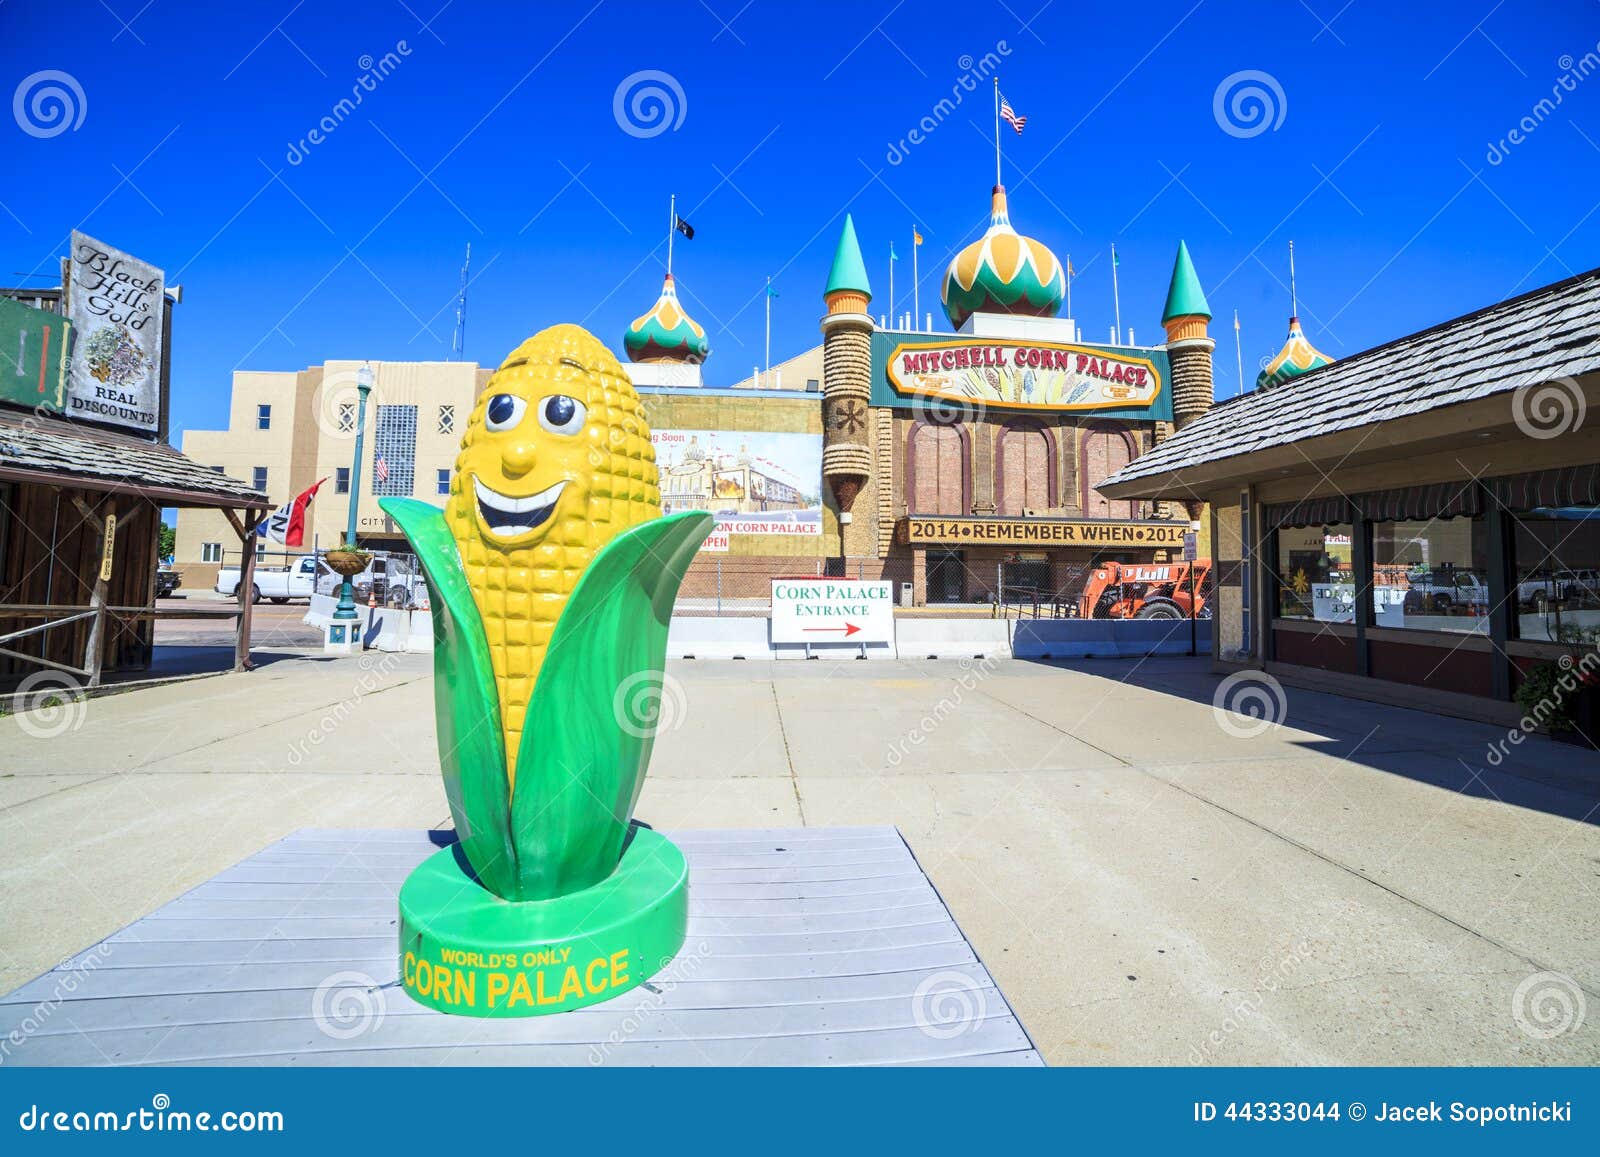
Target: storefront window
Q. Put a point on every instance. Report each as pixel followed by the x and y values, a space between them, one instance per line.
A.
pixel 1431 575
pixel 1315 579
pixel 1556 568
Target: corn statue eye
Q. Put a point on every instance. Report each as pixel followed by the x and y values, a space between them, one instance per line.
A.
pixel 562 415
pixel 504 412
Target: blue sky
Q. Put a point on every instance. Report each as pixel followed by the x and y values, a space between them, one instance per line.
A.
pixel 496 125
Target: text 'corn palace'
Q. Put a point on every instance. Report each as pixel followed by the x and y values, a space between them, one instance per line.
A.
pixel 555 462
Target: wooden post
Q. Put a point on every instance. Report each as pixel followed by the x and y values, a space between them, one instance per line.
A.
pixel 247 577
pixel 93 649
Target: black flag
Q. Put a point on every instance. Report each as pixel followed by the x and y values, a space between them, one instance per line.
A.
pixel 685 228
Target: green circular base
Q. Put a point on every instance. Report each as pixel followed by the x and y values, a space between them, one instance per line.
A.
pixel 464 950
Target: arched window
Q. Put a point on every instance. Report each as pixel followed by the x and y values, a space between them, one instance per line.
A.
pixel 1106 449
pixel 936 474
pixel 1024 470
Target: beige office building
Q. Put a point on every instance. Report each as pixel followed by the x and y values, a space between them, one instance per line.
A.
pixel 288 429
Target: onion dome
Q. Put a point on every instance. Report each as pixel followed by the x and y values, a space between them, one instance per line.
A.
pixel 1298 356
pixel 694 452
pixel 666 333
pixel 1003 272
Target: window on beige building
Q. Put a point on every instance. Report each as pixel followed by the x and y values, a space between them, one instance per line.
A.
pixel 258 478
pixel 263 417
pixel 447 419
pixel 210 552
pixel 443 481
pixel 347 417
pixel 341 480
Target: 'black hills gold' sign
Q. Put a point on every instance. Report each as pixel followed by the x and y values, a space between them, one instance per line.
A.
pixel 924 530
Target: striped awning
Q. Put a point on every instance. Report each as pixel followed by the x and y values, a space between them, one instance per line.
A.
pixel 1417 503
pixel 1565 486
pixel 1333 510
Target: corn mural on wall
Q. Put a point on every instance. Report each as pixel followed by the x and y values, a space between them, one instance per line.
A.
pixel 555 462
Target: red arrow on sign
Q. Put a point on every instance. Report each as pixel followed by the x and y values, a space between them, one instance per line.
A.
pixel 848 629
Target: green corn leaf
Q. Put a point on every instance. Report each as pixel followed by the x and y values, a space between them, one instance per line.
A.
pixel 589 729
pixel 472 750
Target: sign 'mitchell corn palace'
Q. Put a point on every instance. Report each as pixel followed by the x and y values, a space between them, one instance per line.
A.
pixel 1021 375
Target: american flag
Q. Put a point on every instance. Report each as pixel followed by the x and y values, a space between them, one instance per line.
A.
pixel 1010 115
pixel 381 469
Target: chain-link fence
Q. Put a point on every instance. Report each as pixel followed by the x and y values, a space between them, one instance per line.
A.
pixel 957 584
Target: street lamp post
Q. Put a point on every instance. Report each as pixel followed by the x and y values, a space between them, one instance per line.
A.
pixel 346 609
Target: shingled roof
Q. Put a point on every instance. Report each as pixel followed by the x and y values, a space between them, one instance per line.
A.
pixel 1550 333
pixel 32 446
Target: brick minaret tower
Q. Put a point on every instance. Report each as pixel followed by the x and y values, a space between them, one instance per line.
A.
pixel 1186 320
pixel 846 374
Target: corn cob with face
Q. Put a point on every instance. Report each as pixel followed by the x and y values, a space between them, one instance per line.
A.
pixel 555 462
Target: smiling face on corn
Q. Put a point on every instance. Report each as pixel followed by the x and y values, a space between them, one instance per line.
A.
pixel 555 462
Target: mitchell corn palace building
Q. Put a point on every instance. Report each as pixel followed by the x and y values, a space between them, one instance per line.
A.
pixel 957 463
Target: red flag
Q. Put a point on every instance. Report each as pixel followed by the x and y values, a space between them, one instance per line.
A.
pixel 287 524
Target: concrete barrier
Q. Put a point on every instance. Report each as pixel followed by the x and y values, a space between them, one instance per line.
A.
pixel 1104 638
pixel 918 638
pixel 701 638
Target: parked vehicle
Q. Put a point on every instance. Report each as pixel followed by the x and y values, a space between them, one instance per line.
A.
pixel 1538 591
pixel 1128 590
pixel 391 580
pixel 168 580
pixel 1580 585
pixel 279 583
pixel 1445 591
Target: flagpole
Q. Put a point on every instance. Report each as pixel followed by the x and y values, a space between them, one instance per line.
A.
pixel 997 129
pixel 891 285
pixel 1069 285
pixel 672 227
pixel 916 302
pixel 768 372
pixel 1238 349
pixel 1116 298
pixel 1294 298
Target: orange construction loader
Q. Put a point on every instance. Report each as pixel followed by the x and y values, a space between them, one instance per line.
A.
pixel 1141 590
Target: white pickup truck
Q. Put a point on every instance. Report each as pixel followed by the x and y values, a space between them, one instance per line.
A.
pixel 278 583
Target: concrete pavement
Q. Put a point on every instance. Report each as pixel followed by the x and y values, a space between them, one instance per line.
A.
pixel 1149 882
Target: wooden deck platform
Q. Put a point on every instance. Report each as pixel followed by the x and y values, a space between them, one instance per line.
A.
pixel 806 946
